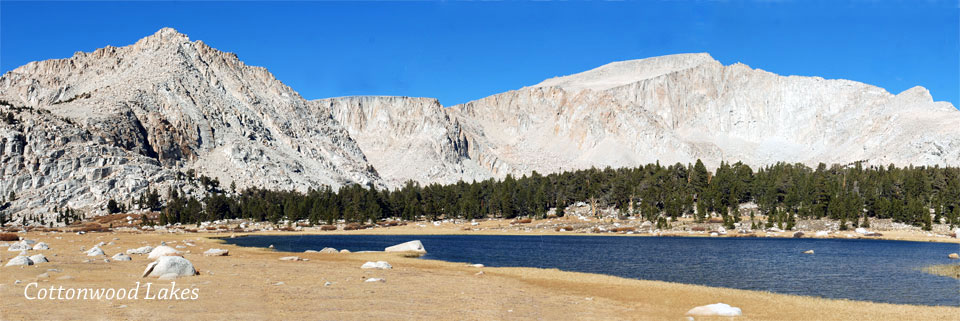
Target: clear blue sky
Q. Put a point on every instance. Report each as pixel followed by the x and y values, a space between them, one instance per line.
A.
pixel 458 52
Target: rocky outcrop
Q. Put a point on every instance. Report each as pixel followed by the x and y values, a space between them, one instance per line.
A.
pixel 109 123
pixel 407 138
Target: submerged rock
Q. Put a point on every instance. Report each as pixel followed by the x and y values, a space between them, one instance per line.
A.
pixel 954 256
pixel 808 252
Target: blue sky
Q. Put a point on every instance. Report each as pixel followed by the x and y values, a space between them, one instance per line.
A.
pixel 459 52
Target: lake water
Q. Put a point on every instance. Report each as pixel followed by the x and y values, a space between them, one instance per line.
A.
pixel 871 270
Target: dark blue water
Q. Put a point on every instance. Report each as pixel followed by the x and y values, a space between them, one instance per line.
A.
pixel 871 270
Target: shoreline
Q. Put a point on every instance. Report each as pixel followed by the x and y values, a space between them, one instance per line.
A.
pixel 252 283
pixel 905 236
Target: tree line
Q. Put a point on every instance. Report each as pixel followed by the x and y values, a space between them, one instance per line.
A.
pixel 783 193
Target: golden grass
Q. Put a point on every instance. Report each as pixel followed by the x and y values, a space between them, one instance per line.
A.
pixel 242 287
pixel 948 270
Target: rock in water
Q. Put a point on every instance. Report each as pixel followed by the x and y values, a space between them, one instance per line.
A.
pixel 167 266
pixel 717 309
pixel 412 246
pixel 954 256
pixel 121 257
pixel 382 265
pixel 808 252
pixel 141 250
pixel 39 258
pixel 162 250
pixel 41 246
pixel 216 252
pixel 19 260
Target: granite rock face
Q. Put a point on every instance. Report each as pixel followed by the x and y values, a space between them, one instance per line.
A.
pixel 108 124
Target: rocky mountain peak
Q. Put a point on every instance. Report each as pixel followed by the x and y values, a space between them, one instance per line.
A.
pixel 625 72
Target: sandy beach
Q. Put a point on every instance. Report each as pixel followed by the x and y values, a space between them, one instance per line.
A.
pixel 253 284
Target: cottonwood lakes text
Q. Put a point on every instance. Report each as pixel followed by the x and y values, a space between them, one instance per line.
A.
pixel 33 291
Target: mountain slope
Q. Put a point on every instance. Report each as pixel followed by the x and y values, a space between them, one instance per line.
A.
pixel 182 105
pixel 111 123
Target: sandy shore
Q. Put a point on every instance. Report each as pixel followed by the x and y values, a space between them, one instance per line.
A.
pixel 253 284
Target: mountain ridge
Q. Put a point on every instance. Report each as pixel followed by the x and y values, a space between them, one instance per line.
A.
pixel 165 105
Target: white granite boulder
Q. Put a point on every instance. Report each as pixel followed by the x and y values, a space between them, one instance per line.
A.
pixel 121 257
pixel 216 252
pixel 96 251
pixel 380 265
pixel 140 250
pixel 19 246
pixel 41 246
pixel 717 310
pixel 39 258
pixel 329 250
pixel 19 260
pixel 412 246
pixel 167 267
pixel 162 250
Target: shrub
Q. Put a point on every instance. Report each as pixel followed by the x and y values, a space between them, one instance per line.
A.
pixel 351 227
pixel 9 237
pixel 328 228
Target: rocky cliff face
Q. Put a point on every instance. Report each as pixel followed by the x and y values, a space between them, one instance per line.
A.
pixel 683 107
pixel 171 104
pixel 110 123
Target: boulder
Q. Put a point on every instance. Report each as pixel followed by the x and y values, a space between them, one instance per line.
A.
pixel 41 246
pixel 311 251
pixel 28 242
pixel 381 265
pixel 19 260
pixel 808 252
pixel 329 250
pixel 374 280
pixel 291 258
pixel 162 250
pixel 798 234
pixel 121 257
pixel 19 246
pixel 216 252
pixel 344 251
pixel 96 251
pixel 821 234
pixel 412 246
pixel 860 230
pixel 141 250
pixel 721 231
pixel 39 258
pixel 954 256
pixel 717 310
pixel 166 267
